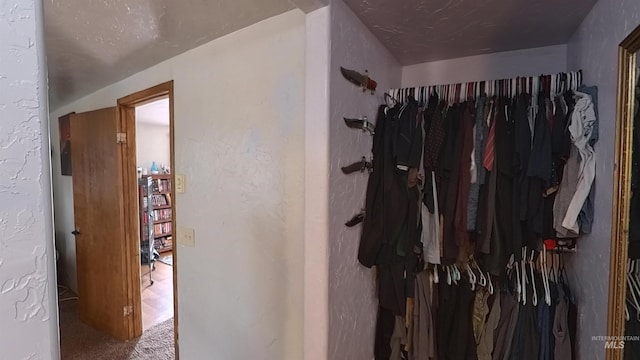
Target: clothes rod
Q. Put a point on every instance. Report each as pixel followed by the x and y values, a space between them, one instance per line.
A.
pixel 554 84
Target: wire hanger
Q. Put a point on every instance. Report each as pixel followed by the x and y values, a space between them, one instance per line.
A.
pixel 456 272
pixel 626 303
pixel 518 284
pixel 637 271
pixel 436 276
pixel 545 276
pixel 554 269
pixel 633 288
pixel 463 92
pixel 550 84
pixel 483 279
pixel 491 289
pixel 523 273
pixel 562 271
pixel 533 280
pixel 472 277
pixel 390 98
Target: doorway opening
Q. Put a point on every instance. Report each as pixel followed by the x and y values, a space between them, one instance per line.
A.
pixel 153 159
pixel 124 212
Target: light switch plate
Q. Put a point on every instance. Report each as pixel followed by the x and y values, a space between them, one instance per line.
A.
pixel 179 183
pixel 187 237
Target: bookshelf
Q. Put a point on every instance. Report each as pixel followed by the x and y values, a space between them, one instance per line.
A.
pixel 156 217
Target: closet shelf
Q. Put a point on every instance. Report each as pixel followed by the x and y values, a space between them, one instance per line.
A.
pixel 564 250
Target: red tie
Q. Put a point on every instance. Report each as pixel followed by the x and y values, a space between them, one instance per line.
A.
pixel 489 149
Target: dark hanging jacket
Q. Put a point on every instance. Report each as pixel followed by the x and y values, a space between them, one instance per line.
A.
pixel 501 246
pixel 435 137
pixel 407 137
pixel 450 170
pixel 539 173
pixel 464 174
pixel 373 229
pixel 521 163
pixel 389 231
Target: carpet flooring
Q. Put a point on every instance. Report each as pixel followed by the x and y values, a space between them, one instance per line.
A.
pixel 81 342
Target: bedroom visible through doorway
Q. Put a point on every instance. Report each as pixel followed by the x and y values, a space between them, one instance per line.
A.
pixel 155 195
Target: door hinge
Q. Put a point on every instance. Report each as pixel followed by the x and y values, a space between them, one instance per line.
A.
pixel 121 138
pixel 127 310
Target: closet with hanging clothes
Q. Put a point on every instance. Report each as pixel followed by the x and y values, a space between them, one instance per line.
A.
pixel 478 190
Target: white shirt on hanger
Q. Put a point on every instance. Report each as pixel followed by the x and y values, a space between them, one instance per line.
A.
pixel 582 121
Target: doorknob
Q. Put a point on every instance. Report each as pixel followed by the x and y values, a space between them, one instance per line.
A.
pixel 76 232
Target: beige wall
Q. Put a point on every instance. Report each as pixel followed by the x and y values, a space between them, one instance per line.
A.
pixel 239 140
pixel 152 144
pixel 495 66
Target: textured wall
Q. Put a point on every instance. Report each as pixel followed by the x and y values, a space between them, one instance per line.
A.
pixel 594 48
pixel 28 306
pixel 239 140
pixel 502 65
pixel 352 302
pixel 152 144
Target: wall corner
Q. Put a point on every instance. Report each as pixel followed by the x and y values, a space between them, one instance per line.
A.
pixel 316 224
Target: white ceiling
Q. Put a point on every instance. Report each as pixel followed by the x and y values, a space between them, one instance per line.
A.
pixel 417 31
pixel 154 113
pixel 94 43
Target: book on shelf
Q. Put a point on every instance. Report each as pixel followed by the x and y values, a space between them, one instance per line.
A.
pixel 162 214
pixel 161 185
pixel 159 200
pixel 162 228
pixel 163 243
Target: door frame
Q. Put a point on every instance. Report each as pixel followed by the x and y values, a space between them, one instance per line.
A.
pixel 126 111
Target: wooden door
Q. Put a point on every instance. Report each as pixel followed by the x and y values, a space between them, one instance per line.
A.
pixel 98 199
